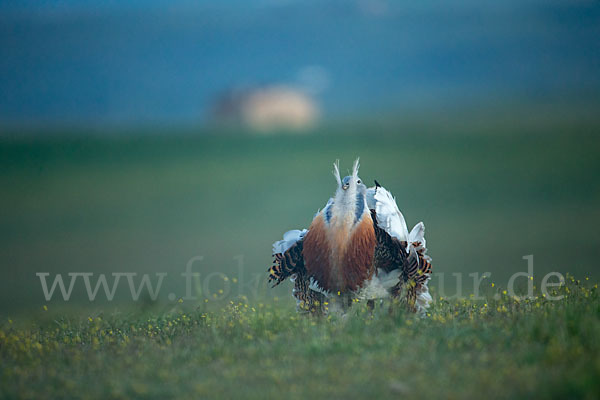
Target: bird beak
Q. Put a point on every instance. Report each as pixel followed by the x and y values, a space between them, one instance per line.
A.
pixel 345 186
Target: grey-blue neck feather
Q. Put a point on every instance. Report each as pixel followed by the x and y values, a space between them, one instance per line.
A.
pixel 360 206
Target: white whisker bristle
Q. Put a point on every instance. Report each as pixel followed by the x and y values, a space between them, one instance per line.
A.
pixel 355 168
pixel 336 172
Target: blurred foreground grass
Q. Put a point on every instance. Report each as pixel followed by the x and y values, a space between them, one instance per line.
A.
pixel 499 348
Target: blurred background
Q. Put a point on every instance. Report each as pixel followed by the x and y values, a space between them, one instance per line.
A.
pixel 135 135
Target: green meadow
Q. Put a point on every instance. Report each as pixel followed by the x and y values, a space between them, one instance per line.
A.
pixel 148 203
pixel 503 348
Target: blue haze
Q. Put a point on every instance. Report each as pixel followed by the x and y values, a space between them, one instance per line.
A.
pixel 144 62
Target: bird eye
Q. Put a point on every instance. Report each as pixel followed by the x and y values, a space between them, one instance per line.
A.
pixel 358 181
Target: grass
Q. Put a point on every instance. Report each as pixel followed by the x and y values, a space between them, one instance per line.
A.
pixel 501 347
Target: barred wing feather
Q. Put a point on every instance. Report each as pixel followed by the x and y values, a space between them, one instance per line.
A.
pixel 397 248
pixel 287 256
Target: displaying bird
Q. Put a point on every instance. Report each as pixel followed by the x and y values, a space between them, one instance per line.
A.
pixel 357 248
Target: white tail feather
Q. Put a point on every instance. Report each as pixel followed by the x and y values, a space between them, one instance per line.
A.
pixel 389 217
pixel 289 239
pixel 423 300
pixel 380 284
pixel 417 234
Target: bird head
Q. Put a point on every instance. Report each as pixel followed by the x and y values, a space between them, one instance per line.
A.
pixel 351 183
